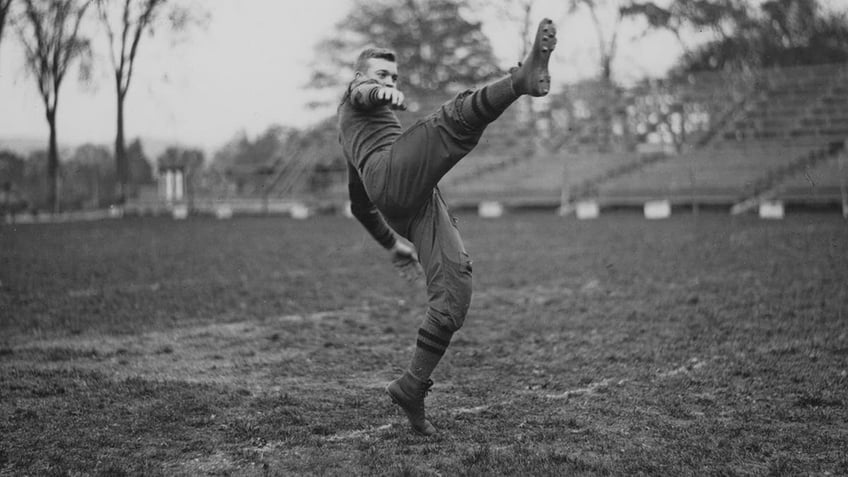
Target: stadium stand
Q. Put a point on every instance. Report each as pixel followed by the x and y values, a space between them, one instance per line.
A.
pixel 787 118
pixel 517 180
pixel 720 174
pixel 744 136
pixel 816 184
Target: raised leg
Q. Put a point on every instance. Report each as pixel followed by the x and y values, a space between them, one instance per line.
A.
pixel 426 151
pixel 486 104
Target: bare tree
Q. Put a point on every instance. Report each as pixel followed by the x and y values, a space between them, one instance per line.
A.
pixel 5 8
pixel 49 31
pixel 517 17
pixel 125 21
pixel 607 35
pixel 514 12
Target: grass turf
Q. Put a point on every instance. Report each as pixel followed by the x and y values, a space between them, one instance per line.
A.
pixel 708 345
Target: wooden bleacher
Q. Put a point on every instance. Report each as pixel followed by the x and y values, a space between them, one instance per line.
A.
pixel 791 124
pixel 820 183
pixel 526 180
pixel 747 136
pixel 716 174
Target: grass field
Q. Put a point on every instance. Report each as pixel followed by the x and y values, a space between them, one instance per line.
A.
pixel 714 345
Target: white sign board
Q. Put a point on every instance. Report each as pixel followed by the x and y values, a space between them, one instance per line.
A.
pixel 490 209
pixel 180 211
pixel 587 209
pixel 299 211
pixel 771 209
pixel 657 209
pixel 224 211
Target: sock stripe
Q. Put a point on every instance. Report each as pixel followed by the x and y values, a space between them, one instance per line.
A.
pixel 482 106
pixel 430 348
pixel 435 339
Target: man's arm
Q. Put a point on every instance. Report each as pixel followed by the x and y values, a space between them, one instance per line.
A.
pixel 366 212
pixel 370 94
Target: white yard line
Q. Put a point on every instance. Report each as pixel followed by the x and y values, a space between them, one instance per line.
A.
pixel 479 409
pixel 590 389
pixel 471 410
pixel 692 365
pixel 361 433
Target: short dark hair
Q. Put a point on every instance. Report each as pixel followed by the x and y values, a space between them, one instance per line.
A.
pixel 368 53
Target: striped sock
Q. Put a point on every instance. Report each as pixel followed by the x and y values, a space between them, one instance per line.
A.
pixel 433 341
pixel 486 104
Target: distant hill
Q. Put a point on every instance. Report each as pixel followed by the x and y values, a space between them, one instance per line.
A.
pixel 24 146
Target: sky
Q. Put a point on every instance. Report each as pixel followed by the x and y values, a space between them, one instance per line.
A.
pixel 247 69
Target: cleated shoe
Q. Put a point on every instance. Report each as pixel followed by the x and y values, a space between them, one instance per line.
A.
pixel 532 76
pixel 408 392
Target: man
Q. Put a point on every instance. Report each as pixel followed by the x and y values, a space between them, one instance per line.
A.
pixel 392 181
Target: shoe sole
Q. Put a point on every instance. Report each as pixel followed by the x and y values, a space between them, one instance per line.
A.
pixel 540 55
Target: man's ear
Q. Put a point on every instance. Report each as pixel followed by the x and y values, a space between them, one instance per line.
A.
pixel 357 75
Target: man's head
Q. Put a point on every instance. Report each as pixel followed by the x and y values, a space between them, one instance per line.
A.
pixel 377 64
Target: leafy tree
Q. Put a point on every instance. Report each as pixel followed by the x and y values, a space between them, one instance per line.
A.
pixel 721 17
pixel 125 21
pixel 33 184
pixel 227 155
pixel 178 157
pixel 798 32
pixel 252 156
pixel 248 163
pixel 438 48
pixel 139 168
pixel 777 33
pixel 88 176
pixel 50 34
pixel 11 169
pixel 11 179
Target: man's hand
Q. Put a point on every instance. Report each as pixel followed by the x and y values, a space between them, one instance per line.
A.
pixel 405 260
pixel 392 97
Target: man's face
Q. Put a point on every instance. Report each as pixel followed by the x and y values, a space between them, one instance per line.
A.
pixel 382 70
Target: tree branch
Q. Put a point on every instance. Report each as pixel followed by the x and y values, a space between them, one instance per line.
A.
pixel 110 33
pixel 143 22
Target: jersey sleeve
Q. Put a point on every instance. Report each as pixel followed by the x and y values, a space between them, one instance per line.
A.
pixel 366 212
pixel 363 96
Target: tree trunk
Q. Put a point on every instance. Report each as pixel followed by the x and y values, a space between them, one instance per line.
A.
pixel 121 153
pixel 53 165
pixel 4 13
pixel 606 68
pixel 608 106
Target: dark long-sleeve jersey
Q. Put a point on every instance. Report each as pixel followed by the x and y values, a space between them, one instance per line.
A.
pixel 366 126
